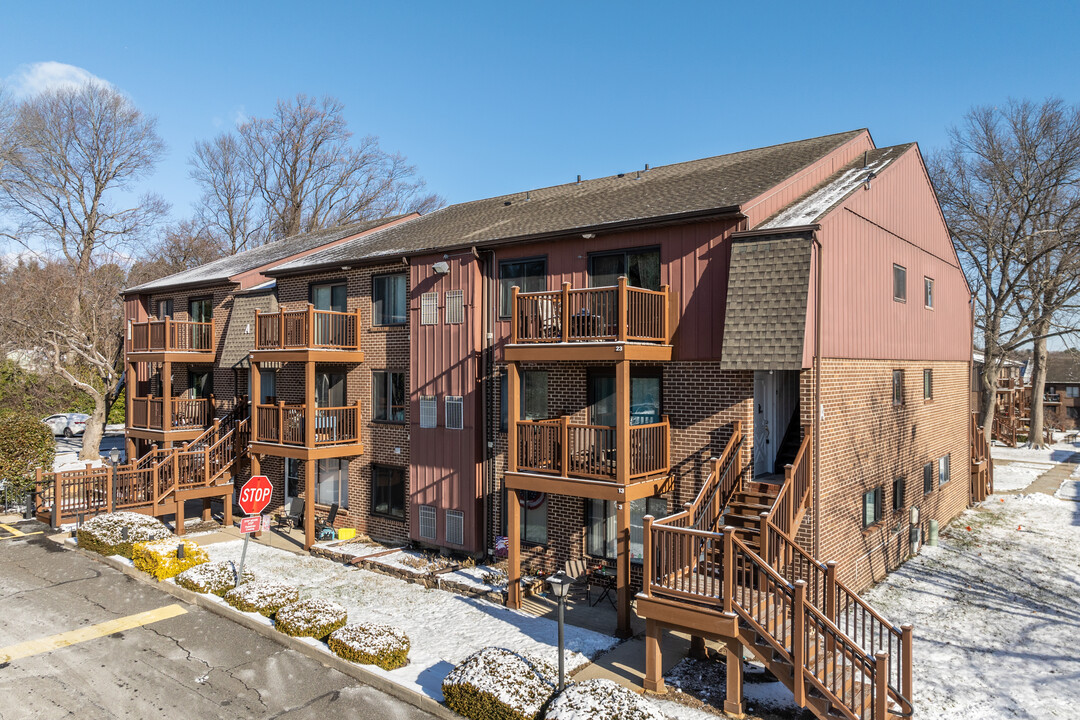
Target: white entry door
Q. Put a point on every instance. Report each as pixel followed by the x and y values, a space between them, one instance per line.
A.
pixel 776 397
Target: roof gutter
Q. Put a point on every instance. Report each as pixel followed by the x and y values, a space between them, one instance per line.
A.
pixel 732 211
pixel 139 290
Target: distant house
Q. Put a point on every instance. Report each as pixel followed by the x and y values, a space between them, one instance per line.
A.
pixel 1062 393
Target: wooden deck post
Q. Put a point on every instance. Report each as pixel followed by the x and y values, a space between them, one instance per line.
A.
pixel 564 318
pixel 281 421
pixel 622 422
pixel 729 570
pixel 789 480
pixel 513 549
pixel 166 399
pixel 514 330
pixel 309 398
pixel 798 643
pixel 714 503
pixel 281 328
pixel 309 503
pixel 665 318
pixel 646 556
pixel 309 321
pixel 654 673
pixel 622 569
pixel 513 414
pixel 906 670
pixel 733 703
pixel 564 446
pixel 830 604
pixel 623 316
pixel 255 328
pixel 881 686
pixel 763 537
pixel 109 488
pixel 58 501
pixel 165 344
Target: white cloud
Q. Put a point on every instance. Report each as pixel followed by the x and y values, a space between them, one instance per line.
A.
pixel 28 80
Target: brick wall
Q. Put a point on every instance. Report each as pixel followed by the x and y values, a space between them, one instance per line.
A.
pixel 867 442
pixel 385 348
pixel 701 402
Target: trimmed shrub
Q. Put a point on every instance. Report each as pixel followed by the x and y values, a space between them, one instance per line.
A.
pixel 310 618
pixel 265 598
pixel 499 684
pixel 104 533
pixel 217 577
pixel 25 444
pixel 371 644
pixel 600 699
pixel 158 557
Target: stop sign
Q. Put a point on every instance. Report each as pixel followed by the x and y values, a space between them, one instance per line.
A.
pixel 255 495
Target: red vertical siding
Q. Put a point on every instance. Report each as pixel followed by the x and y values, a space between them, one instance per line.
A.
pixel 443 464
pixel 896 221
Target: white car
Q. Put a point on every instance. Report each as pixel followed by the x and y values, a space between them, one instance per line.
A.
pixel 67 424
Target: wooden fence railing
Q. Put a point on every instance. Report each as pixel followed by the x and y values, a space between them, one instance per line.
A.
pixel 170 335
pixel 982 466
pixel 308 328
pixel 568 449
pixel 287 424
pixel 186 413
pixel 619 313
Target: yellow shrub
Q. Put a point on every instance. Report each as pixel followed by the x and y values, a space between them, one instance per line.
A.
pixel 158 557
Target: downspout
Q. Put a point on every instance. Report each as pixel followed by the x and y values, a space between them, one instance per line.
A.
pixel 817 397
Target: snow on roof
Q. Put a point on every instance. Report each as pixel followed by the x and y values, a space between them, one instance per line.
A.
pixel 810 208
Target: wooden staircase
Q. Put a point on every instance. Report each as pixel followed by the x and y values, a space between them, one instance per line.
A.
pixel 156 484
pixel 729 567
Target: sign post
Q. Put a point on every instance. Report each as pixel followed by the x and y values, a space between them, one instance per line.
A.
pixel 254 497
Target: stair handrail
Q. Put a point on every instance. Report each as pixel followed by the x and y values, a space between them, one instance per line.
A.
pixel 709 494
pixel 851 649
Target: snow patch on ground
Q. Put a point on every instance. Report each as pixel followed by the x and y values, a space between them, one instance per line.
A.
pixel 1057 453
pixel 995 612
pixel 444 628
pixel 1017 475
pixel 1070 487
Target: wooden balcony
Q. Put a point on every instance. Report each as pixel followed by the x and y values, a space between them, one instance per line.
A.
pixel 298 431
pixel 309 334
pixel 1052 399
pixel 569 458
pixel 606 323
pixel 176 418
pixel 173 340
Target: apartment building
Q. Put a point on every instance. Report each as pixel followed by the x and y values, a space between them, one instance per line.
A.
pixel 544 370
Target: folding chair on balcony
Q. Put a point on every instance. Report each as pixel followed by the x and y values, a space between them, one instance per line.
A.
pixel 324 529
pixel 550 317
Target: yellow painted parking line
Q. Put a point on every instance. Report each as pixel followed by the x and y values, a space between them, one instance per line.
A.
pixel 15 532
pixel 73 637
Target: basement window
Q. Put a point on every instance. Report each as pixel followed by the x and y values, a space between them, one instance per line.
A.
pixel 871 501
pixel 927 384
pixel 943 469
pixel 897 387
pixel 898 489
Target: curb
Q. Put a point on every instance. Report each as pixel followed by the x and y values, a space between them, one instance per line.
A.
pixel 327 658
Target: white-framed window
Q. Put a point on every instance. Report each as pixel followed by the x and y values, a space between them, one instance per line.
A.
pixel 897 387
pixel 899 283
pixel 1072 391
pixel 943 469
pixel 332 483
pixel 871 507
pixel 455 412
pixel 455 307
pixel 292 478
pixel 429 308
pixel 928 292
pixel 428 530
pixel 429 411
pixel 455 527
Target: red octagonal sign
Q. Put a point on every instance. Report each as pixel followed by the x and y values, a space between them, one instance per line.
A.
pixel 255 495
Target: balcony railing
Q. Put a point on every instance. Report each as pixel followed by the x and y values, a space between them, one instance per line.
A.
pixel 619 313
pixel 288 425
pixel 567 449
pixel 148 413
pixel 170 335
pixel 1052 398
pixel 308 328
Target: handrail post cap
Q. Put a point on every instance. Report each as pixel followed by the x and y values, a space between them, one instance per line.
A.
pixel 729 528
pixel 831 563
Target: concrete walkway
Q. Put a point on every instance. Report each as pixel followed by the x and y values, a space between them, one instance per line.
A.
pixel 1049 482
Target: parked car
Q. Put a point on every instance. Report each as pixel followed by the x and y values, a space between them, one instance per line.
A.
pixel 67 424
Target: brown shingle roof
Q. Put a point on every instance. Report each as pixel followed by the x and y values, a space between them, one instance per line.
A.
pixel 221 270
pixel 765 318
pixel 697 187
pixel 1063 367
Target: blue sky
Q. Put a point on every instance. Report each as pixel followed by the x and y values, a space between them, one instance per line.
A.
pixel 489 98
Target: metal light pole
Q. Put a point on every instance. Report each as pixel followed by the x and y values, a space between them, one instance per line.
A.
pixel 560 586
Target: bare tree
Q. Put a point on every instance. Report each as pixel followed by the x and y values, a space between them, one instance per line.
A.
pixel 180 246
pixel 69 183
pixel 1008 184
pixel 304 171
pixel 229 206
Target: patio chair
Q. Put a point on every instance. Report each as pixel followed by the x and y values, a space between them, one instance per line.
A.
pixel 578 572
pixel 550 318
pixel 293 517
pixel 326 526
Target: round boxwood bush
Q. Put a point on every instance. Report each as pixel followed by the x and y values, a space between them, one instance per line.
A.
pixel 217 577
pixel 105 533
pixel 600 699
pixel 161 559
pixel 265 598
pixel 371 644
pixel 499 684
pixel 26 443
pixel 310 618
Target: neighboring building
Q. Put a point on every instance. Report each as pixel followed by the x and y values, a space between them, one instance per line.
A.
pixel 550 367
pixel 1062 391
